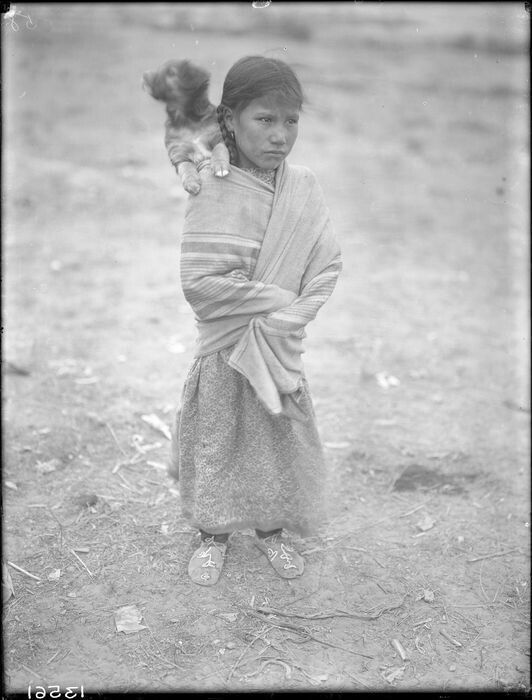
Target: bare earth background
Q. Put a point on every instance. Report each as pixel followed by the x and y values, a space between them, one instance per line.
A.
pixel 416 126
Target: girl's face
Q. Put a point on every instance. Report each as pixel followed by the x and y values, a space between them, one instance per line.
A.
pixel 265 131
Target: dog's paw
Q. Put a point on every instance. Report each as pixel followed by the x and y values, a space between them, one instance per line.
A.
pixel 191 186
pixel 220 168
pixel 220 160
pixel 189 177
pixel 221 172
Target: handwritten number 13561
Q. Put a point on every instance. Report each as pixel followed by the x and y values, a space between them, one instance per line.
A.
pixel 55 692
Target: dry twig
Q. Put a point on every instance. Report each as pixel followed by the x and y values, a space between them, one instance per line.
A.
pixel 27 668
pixel 481 584
pixel 53 657
pixel 351 675
pixel 327 615
pixel 128 462
pixel 399 649
pixel 377 522
pixel 404 515
pixel 477 605
pixel 23 571
pixel 127 484
pixel 237 662
pixel 82 563
pixel 388 517
pixel 160 657
pixel 422 622
pixel 266 662
pixel 454 642
pixel 492 556
pixel 305 633
pixel 115 439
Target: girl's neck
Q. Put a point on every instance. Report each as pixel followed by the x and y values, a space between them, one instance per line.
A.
pixel 267 176
pixel 255 168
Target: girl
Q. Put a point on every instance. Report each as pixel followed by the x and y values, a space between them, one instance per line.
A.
pixel 258 260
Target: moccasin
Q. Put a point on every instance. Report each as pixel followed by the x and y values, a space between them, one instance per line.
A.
pixel 206 563
pixel 282 555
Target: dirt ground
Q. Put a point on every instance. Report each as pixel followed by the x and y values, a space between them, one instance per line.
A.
pixel 416 126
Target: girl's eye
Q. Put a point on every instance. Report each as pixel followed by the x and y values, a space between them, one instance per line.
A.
pixel 265 119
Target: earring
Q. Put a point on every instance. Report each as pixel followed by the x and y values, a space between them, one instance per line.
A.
pixel 232 135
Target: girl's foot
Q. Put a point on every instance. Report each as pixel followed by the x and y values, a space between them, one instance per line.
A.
pixel 206 563
pixel 282 555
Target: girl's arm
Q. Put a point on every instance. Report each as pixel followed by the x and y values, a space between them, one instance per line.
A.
pixel 214 280
pixel 318 283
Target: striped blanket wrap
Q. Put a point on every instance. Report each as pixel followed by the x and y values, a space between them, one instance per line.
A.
pixel 257 263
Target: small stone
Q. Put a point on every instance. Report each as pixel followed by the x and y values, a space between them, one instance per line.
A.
pixel 86 499
pixel 428 596
pixel 452 667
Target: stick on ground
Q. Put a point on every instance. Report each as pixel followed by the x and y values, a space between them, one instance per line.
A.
pixel 82 563
pixel 333 613
pixel 237 662
pixel 23 571
pixel 27 668
pixel 492 556
pixel 115 438
pixel 306 633
pixel 454 642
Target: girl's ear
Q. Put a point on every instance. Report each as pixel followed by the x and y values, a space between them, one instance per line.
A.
pixel 229 119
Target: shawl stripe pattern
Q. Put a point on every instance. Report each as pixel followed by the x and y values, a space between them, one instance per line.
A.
pixel 213 276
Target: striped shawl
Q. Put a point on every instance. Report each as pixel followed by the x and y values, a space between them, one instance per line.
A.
pixel 257 264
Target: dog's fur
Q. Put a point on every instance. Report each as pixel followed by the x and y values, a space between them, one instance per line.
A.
pixel 192 130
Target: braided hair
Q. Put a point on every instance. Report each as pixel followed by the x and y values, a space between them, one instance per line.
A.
pixel 228 137
pixel 251 78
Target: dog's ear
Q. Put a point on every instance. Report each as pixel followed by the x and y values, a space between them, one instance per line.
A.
pixel 193 78
pixel 194 81
pixel 201 104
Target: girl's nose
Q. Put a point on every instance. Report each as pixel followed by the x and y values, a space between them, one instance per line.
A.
pixel 278 136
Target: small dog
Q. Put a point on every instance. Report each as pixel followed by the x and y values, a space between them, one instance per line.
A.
pixel 192 130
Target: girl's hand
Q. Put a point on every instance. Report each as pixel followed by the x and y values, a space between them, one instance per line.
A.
pixel 237 274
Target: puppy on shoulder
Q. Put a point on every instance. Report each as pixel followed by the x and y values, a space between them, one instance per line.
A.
pixel 192 132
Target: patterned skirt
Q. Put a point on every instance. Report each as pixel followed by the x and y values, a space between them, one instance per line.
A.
pixel 238 466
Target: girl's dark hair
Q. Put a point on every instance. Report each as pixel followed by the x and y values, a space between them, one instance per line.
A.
pixel 252 77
